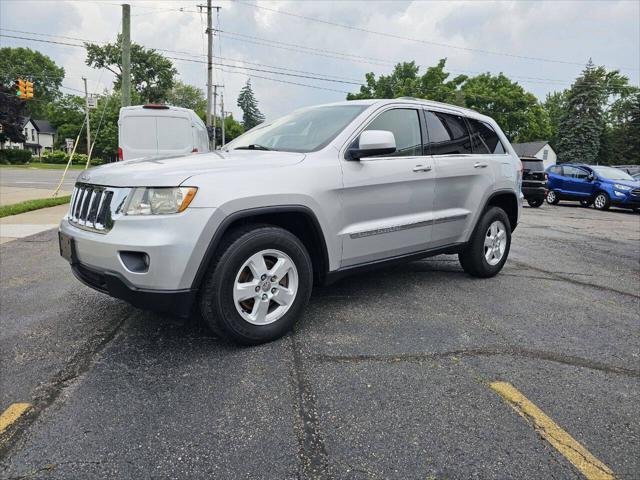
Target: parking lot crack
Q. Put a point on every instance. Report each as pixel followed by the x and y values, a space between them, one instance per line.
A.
pixel 312 454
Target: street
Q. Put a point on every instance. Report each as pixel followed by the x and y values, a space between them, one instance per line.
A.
pixel 389 374
pixel 20 184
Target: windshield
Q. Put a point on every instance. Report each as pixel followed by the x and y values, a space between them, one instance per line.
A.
pixel 612 173
pixel 301 131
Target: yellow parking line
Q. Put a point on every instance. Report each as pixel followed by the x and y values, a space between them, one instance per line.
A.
pixel 590 466
pixel 13 413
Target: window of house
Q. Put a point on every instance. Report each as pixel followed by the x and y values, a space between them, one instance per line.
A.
pixel 545 154
pixel 33 135
pixel 404 123
pixel 484 139
pixel 448 134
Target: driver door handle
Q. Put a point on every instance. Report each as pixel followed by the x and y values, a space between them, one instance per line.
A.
pixel 480 165
pixel 422 168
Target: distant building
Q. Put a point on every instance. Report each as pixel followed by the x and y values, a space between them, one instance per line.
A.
pixel 540 149
pixel 39 137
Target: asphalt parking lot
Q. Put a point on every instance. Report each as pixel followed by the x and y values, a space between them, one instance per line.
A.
pixel 389 375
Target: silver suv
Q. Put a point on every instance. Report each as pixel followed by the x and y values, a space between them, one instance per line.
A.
pixel 243 233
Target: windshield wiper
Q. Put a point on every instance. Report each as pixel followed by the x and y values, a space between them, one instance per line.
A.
pixel 253 146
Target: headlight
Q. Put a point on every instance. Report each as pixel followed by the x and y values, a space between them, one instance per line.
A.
pixel 624 188
pixel 160 200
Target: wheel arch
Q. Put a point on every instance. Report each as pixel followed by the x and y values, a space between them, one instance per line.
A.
pixel 507 200
pixel 297 219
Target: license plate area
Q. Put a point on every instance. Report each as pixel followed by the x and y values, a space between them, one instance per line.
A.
pixel 67 248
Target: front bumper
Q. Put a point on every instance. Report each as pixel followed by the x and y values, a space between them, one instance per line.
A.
pixel 174 244
pixel 624 199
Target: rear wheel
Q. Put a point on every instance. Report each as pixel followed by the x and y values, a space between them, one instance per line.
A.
pixel 488 248
pixel 258 285
pixel 586 203
pixel 552 197
pixel 535 202
pixel 602 201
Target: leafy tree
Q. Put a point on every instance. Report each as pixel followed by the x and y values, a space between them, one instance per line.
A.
pixel 11 114
pixel 29 64
pixel 620 140
pixel 232 128
pixel 583 122
pixel 517 112
pixel 251 115
pixel 187 96
pixel 405 81
pixel 66 114
pixel 554 105
pixel 152 75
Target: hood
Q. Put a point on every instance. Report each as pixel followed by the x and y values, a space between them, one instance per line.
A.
pixel 628 183
pixel 173 171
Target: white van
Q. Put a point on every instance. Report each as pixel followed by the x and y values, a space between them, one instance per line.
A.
pixel 151 131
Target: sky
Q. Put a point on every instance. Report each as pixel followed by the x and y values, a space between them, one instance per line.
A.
pixel 543 45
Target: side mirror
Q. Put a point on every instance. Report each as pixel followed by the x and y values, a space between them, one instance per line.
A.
pixel 591 177
pixel 373 142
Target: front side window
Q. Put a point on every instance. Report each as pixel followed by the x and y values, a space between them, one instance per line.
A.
pixel 404 123
pixel 448 134
pixel 302 131
pixel 484 139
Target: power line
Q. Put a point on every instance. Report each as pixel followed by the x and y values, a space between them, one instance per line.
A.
pixel 417 40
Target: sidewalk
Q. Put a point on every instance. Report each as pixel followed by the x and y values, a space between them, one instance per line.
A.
pixel 30 223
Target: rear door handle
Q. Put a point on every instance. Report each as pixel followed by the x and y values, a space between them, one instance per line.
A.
pixel 422 168
pixel 480 165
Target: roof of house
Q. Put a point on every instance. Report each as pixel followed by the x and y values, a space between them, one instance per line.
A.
pixel 43 126
pixel 528 149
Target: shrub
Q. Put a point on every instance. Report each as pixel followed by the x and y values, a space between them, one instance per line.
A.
pixel 15 156
pixel 61 157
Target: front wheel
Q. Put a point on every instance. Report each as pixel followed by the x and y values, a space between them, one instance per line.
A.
pixel 257 286
pixel 535 202
pixel 602 201
pixel 488 248
pixel 552 198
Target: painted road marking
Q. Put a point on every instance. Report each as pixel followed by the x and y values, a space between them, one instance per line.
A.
pixel 13 413
pixel 590 466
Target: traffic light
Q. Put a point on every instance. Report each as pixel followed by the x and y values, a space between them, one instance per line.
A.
pixel 28 90
pixel 21 88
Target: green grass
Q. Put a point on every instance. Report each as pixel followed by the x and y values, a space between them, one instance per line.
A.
pixel 30 205
pixel 45 166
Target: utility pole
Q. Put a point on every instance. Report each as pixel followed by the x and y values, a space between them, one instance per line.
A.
pixel 86 111
pixel 222 111
pixel 210 103
pixel 126 55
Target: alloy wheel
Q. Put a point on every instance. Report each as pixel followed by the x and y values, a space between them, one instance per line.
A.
pixel 495 242
pixel 265 287
pixel 600 201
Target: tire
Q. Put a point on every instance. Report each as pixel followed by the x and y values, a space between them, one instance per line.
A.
pixel 552 197
pixel 586 203
pixel 264 308
pixel 601 201
pixel 535 202
pixel 475 257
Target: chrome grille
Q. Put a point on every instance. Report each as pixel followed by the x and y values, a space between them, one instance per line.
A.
pixel 635 192
pixel 91 208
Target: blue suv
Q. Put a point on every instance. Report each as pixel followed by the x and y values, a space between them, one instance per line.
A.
pixel 598 185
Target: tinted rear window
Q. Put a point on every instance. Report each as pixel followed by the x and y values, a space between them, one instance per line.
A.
pixel 532 165
pixel 484 139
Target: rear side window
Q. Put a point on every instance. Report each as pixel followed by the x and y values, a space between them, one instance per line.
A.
pixel 139 133
pixel 484 139
pixel 447 133
pixel 174 133
pixel 405 125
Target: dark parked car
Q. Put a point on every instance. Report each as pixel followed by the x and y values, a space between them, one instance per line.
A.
pixel 599 186
pixel 534 181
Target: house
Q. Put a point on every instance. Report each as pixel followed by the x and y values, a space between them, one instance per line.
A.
pixel 540 149
pixel 39 136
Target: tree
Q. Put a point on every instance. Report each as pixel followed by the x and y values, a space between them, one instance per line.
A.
pixel 583 123
pixel 232 128
pixel 405 81
pixel 251 115
pixel 66 114
pixel 187 96
pixel 29 64
pixel 11 116
pixel 518 112
pixel 620 140
pixel 555 105
pixel 152 75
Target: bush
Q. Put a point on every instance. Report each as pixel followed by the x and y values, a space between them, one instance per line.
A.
pixel 15 156
pixel 60 157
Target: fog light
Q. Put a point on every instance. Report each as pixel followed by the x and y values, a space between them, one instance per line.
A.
pixel 619 194
pixel 136 262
